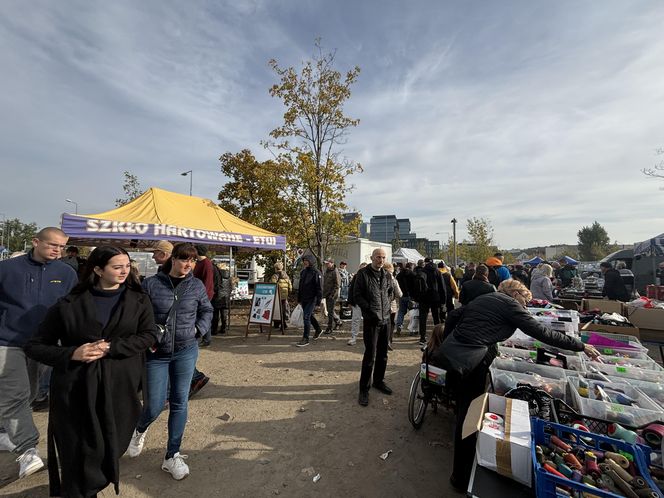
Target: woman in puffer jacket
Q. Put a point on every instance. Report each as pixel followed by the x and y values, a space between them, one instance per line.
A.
pixel 183 313
pixel 484 322
pixel 540 285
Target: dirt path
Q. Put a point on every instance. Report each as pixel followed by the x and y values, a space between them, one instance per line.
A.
pixel 290 409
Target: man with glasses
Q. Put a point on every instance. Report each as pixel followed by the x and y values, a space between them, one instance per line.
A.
pixel 29 285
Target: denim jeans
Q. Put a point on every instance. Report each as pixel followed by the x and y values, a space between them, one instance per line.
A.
pixel 403 309
pixel 18 387
pixel 309 318
pixel 177 369
pixel 44 381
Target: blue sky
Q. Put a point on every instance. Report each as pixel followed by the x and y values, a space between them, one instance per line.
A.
pixel 536 115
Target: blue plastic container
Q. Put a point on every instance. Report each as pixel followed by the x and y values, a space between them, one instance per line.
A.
pixel 546 483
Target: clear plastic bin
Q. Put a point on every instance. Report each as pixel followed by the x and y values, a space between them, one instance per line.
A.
pixel 645 411
pixel 504 380
pixel 628 340
pixel 574 361
pixel 626 373
pixel 654 390
pixel 647 364
pixel 636 354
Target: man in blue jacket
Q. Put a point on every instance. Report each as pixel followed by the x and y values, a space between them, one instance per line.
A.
pixel 29 285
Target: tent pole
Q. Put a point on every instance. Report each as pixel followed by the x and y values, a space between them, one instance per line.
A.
pixel 231 268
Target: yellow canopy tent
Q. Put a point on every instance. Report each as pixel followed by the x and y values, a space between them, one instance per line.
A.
pixel 162 215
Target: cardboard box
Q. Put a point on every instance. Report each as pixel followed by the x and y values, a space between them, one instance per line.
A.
pixel 604 305
pixel 511 455
pixel 597 327
pixel 646 318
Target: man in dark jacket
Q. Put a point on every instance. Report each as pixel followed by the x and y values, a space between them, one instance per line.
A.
pixel 432 299
pixel 468 273
pixel 309 295
pixel 373 292
pixel 331 291
pixel 405 280
pixel 614 287
pixel 566 273
pixel 477 286
pixel 29 286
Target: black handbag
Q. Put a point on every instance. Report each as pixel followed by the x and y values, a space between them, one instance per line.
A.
pixel 459 357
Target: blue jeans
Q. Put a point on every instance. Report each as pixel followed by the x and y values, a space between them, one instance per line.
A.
pixel 403 309
pixel 44 381
pixel 309 318
pixel 177 369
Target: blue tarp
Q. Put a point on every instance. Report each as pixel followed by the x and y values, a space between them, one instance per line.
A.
pixel 535 261
pixel 570 261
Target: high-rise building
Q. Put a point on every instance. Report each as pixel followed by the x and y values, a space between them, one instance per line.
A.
pixel 383 228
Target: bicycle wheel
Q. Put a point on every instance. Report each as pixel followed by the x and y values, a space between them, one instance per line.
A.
pixel 417 402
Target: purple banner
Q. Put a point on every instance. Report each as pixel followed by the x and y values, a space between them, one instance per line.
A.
pixel 80 227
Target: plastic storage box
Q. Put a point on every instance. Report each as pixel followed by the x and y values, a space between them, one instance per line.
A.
pixel 436 375
pixel 644 411
pixel 506 374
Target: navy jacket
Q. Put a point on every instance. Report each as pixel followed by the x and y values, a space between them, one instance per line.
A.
pixel 27 290
pixel 310 287
pixel 183 311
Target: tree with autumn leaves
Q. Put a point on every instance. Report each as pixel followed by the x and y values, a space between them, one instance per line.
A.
pixel 302 191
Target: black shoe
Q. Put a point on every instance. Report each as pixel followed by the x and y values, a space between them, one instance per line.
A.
pixel 222 331
pixel 328 331
pixel 303 342
pixel 198 385
pixel 382 387
pixel 338 325
pixel 40 405
pixel 205 344
pixel 317 334
pixel 363 398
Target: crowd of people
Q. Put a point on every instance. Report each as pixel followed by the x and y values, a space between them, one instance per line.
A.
pixel 112 348
pixel 116 348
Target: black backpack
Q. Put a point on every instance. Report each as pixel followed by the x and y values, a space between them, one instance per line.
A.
pixel 420 286
pixel 350 300
pixel 218 282
pixel 493 277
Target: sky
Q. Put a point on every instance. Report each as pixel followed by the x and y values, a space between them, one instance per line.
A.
pixel 535 115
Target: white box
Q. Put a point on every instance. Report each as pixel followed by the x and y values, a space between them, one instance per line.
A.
pixel 509 456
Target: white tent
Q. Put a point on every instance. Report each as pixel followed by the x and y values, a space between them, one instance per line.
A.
pixel 405 255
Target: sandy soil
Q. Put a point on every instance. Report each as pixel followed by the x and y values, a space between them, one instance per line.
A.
pixel 292 413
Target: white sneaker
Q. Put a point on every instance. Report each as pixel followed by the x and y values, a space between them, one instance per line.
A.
pixel 176 467
pixel 136 444
pixel 29 463
pixel 6 443
pixel 352 341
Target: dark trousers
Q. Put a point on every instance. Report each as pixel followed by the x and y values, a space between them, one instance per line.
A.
pixel 218 314
pixel 375 353
pixel 424 315
pixel 465 389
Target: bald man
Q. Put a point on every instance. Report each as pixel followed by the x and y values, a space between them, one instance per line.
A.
pixel 29 285
pixel 372 292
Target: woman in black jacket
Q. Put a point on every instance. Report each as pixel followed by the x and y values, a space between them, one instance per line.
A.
pixel 486 321
pixel 94 339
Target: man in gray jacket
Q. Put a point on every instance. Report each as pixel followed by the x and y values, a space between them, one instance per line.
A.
pixel 373 292
pixel 331 289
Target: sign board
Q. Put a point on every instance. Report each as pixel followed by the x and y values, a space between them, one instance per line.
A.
pixel 241 291
pixel 264 304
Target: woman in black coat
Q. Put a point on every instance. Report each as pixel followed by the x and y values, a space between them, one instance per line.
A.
pixel 94 339
pixel 487 320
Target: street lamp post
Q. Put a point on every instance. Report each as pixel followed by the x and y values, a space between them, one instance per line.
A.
pixel 454 222
pixel 74 203
pixel 4 227
pixel 191 178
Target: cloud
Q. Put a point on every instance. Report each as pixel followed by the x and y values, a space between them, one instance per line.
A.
pixel 538 116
